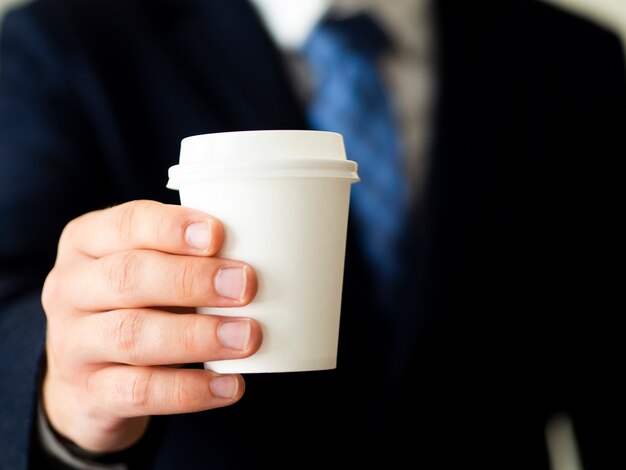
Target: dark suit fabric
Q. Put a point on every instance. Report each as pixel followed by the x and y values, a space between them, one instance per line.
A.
pixel 512 312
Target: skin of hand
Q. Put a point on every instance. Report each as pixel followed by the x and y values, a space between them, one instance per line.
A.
pixel 119 311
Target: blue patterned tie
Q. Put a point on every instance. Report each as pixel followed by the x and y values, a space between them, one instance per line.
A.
pixel 350 98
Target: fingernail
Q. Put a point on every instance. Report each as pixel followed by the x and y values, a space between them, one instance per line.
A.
pixel 224 386
pixel 231 282
pixel 235 334
pixel 199 235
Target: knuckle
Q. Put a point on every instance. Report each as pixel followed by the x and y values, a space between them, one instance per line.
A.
pixel 90 386
pixel 183 395
pixel 189 339
pixel 67 353
pixel 64 347
pixel 57 293
pixel 127 334
pixel 70 235
pixel 185 279
pixel 163 226
pixel 122 273
pixel 61 342
pixel 50 292
pixel 140 390
pixel 68 232
pixel 124 221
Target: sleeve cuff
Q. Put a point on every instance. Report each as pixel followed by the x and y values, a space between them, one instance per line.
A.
pixel 62 450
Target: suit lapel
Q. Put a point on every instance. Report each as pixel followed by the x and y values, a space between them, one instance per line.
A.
pixel 234 62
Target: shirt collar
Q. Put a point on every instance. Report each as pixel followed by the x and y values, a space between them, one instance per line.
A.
pixel 291 21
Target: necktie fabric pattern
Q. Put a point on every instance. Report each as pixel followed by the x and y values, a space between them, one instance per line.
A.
pixel 350 98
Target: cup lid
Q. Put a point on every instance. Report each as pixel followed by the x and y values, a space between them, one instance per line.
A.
pixel 262 154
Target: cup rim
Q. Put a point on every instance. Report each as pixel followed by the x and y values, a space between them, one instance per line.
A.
pixel 223 168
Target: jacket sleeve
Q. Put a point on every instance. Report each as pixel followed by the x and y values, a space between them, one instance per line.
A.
pixel 45 177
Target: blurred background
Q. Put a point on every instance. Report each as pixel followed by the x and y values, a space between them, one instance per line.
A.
pixel 610 13
pixel 4 4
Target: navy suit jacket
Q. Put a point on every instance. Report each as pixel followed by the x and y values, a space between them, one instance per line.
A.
pixel 512 311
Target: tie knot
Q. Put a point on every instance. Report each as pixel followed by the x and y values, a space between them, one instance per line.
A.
pixel 360 34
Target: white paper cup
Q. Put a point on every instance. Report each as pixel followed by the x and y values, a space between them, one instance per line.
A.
pixel 283 198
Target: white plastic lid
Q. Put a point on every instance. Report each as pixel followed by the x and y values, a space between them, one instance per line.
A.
pixel 262 154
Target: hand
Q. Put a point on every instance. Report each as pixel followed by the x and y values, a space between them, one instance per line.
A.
pixel 113 302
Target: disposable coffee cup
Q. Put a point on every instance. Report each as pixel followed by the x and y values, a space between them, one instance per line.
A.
pixel 283 197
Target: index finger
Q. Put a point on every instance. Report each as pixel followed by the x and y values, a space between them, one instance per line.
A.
pixel 146 225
